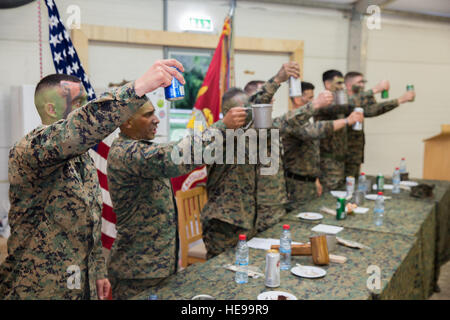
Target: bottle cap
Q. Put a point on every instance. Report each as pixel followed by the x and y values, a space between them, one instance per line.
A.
pixel 380 193
pixel 286 227
pixel 242 237
pixel 397 168
pixel 363 174
pixel 403 158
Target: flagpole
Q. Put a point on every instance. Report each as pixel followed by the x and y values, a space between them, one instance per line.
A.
pixel 231 54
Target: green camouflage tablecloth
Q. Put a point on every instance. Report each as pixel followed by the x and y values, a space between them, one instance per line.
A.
pixel 343 281
pixel 407 250
pixel 441 199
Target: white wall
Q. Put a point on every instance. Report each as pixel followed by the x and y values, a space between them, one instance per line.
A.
pixel 19 53
pixel 407 52
pixel 403 52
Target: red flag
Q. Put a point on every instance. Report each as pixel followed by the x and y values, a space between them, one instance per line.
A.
pixel 209 100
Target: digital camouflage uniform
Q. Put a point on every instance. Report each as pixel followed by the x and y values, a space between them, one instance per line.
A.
pixel 302 157
pixel 233 191
pixel 139 172
pixel 232 196
pixel 55 213
pixel 356 139
pixel 334 149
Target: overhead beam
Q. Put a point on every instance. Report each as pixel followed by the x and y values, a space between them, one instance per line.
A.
pixel 357 40
pixel 416 15
pixel 310 4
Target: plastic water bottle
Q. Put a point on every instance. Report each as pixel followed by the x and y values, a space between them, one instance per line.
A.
pixel 362 183
pixel 285 248
pixel 379 209
pixel 403 166
pixel 242 260
pixel 396 181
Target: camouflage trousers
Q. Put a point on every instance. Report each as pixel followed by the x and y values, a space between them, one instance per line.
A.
pixel 269 215
pixel 300 192
pixel 124 289
pixel 352 170
pixel 219 236
pixel 332 174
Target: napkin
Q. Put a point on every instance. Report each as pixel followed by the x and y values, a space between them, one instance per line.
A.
pixel 351 244
pixel 328 211
pixel 325 228
pixel 265 243
pixel 251 273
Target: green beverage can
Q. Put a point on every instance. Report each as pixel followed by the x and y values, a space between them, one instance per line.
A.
pixel 340 209
pixel 410 87
pixel 380 182
pixel 385 94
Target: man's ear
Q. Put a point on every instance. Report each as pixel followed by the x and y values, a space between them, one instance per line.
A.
pixel 127 124
pixel 50 109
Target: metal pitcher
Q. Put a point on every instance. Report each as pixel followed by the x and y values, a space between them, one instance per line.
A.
pixel 262 116
pixel 340 97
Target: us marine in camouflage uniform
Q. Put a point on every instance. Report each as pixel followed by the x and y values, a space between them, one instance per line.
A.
pixel 334 146
pixel 234 196
pixel 302 152
pixel 355 84
pixel 272 199
pixel 139 171
pixel 54 249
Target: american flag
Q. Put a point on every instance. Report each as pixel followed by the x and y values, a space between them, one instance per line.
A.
pixel 66 61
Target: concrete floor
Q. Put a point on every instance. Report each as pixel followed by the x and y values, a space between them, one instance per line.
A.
pixel 444 284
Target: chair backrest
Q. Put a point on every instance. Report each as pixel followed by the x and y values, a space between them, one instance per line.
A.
pixel 190 203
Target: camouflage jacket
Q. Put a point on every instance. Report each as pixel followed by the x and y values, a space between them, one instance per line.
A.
pixel 356 139
pixel 235 197
pixel 139 184
pixel 336 145
pixel 55 213
pixel 232 194
pixel 301 145
pixel 271 189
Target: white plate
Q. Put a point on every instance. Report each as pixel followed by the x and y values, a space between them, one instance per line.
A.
pixel 374 197
pixel 310 216
pixel 409 183
pixel 273 295
pixel 308 272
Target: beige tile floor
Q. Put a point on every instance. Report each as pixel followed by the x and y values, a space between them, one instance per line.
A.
pixel 444 284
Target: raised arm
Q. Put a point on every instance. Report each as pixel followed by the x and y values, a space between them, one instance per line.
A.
pixel 49 146
pixel 148 159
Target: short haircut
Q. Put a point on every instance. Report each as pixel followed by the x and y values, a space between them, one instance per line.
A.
pixel 231 93
pixel 352 74
pixel 227 97
pixel 307 86
pixel 251 87
pixel 330 74
pixel 53 80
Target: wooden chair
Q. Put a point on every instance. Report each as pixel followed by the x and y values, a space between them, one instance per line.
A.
pixel 190 203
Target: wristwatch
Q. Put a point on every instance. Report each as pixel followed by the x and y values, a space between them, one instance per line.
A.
pixel 346 121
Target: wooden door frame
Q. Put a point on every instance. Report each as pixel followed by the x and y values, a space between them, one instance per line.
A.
pixel 82 36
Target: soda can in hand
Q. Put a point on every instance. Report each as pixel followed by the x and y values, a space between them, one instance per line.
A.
pixel 175 91
pixel 295 87
pixel 358 125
